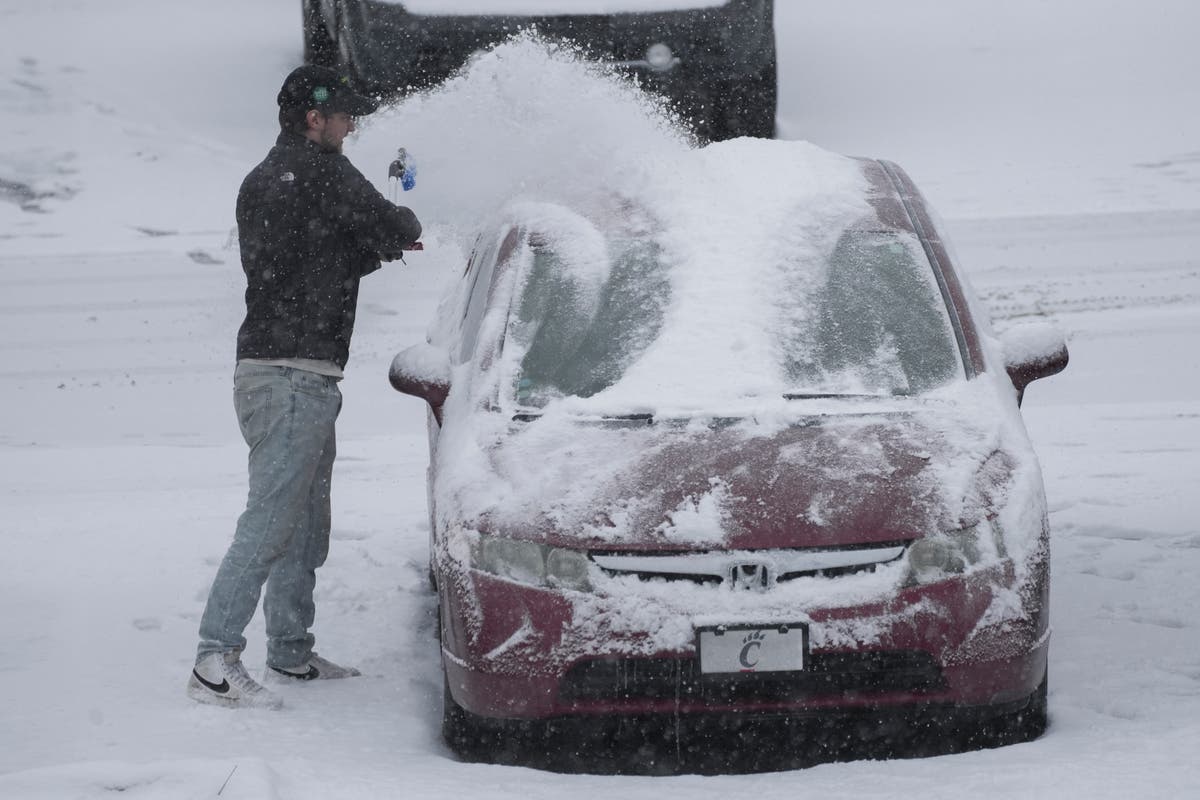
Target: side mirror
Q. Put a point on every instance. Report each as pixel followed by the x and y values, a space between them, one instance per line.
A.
pixel 423 371
pixel 1033 350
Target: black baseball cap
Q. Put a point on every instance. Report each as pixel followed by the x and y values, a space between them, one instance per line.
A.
pixel 324 89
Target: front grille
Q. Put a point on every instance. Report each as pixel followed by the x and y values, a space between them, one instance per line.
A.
pixel 769 567
pixel 827 674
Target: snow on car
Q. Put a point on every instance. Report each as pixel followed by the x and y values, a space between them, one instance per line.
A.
pixel 738 443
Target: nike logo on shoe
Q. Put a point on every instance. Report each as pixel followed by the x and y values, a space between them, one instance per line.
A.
pixel 310 674
pixel 219 688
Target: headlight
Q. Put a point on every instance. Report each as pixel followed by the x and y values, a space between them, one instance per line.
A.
pixel 531 563
pixel 942 555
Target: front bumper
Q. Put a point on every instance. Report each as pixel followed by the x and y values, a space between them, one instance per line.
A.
pixel 513 651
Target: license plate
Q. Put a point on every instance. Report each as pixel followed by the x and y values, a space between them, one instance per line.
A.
pixel 753 648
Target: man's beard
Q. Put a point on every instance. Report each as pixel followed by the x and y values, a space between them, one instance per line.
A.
pixel 329 145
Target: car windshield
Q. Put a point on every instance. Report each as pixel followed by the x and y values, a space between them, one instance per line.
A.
pixel 876 325
pixel 579 329
pixel 868 319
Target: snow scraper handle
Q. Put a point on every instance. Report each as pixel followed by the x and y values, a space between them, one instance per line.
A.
pixel 399 256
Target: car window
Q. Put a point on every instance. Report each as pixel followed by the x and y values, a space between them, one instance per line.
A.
pixel 577 335
pixel 877 325
pixel 485 262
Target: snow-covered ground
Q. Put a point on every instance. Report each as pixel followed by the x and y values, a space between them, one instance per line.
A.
pixel 1060 140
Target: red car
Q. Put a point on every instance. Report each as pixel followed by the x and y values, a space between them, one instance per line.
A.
pixel 764 465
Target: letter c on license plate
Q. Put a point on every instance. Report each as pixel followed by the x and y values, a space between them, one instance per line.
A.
pixel 752 648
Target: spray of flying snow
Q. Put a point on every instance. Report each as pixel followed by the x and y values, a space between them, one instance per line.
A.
pixel 529 118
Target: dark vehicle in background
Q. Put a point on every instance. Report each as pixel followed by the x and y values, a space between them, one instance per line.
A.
pixel 714 59
pixel 620 536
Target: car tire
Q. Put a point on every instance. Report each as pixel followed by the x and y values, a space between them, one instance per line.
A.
pixel 319 47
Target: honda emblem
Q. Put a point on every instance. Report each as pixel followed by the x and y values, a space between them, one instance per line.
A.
pixel 753 576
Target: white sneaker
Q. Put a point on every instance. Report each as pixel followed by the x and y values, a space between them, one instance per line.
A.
pixel 315 669
pixel 222 680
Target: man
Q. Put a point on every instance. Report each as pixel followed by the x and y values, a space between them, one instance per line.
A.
pixel 310 226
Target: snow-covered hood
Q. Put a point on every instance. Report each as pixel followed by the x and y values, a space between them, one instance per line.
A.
pixel 823 481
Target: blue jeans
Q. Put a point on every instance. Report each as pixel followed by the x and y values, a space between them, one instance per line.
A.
pixel 287 418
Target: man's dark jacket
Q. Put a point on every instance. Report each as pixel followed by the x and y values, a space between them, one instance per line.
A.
pixel 310 226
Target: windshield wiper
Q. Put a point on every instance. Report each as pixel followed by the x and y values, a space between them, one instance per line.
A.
pixel 839 396
pixel 645 417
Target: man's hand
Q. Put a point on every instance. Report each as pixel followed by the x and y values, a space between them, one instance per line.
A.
pixel 400 255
